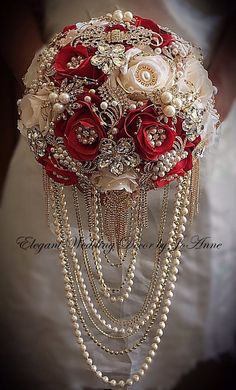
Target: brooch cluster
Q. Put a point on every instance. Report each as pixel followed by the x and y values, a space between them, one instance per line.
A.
pixel 117 95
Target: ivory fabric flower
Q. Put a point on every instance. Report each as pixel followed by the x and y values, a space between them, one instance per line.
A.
pixel 195 78
pixel 32 71
pixel 145 73
pixel 32 112
pixel 107 181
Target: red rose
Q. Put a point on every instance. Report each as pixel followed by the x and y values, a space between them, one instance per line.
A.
pixel 82 133
pixel 71 61
pixel 179 169
pixel 56 172
pixel 150 25
pixel 69 27
pixel 151 137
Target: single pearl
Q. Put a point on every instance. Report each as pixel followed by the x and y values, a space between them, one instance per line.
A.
pixel 113 382
pixel 177 102
pixel 215 90
pixel 128 16
pixel 105 379
pixel 136 377
pixel 53 96
pixel 87 99
pixel 64 97
pixel 146 75
pixel 169 111
pixel 129 382
pixel 117 15
pixel 104 105
pixel 133 106
pixel 58 108
pixel 166 97
pixel 121 383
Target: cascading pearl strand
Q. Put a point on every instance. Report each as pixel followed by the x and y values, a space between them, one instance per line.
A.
pixel 156 299
pixel 177 229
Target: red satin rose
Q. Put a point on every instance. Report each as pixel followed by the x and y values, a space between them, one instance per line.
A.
pixel 179 169
pixel 84 119
pixel 139 124
pixel 56 172
pixel 69 27
pixel 82 67
pixel 150 25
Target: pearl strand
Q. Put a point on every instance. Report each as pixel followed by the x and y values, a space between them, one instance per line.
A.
pixel 136 376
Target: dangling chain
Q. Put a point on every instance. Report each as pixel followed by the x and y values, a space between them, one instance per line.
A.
pixel 157 301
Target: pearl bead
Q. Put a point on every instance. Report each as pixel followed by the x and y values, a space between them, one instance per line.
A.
pixel 105 379
pixel 177 102
pixel 129 382
pixel 162 324
pixel 154 346
pixel 87 99
pixel 92 91
pixel 159 332
pixel 104 105
pixel 64 97
pixel 113 382
pixel 148 359
pixel 53 96
pixel 145 366
pixel 169 111
pixel 146 75
pixel 128 16
pixel 151 353
pixel 136 377
pixel 121 383
pixel 166 97
pixel 58 108
pixel 99 374
pixel 117 15
pixel 133 106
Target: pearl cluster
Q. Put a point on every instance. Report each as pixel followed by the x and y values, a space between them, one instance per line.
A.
pixel 166 162
pixel 65 159
pixel 46 59
pixel 119 16
pixel 59 101
pixel 171 104
pixel 156 136
pixel 86 135
pixel 74 62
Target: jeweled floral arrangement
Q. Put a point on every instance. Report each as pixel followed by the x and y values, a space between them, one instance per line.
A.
pixel 114 108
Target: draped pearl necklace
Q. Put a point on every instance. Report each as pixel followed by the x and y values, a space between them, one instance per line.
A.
pixel 85 285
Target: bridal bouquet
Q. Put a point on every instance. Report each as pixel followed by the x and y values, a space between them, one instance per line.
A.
pixel 116 107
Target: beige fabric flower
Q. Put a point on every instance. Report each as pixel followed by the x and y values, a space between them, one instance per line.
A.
pixel 32 72
pixel 144 73
pixel 195 78
pixel 33 113
pixel 106 181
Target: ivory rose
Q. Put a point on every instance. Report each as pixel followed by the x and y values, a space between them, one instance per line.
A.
pixel 33 113
pixel 195 78
pixel 106 181
pixel 32 71
pixel 144 73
